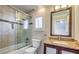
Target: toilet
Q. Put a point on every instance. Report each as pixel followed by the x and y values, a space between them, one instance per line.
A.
pixel 35 46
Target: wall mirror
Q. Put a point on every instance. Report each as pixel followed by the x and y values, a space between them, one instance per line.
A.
pixel 61 22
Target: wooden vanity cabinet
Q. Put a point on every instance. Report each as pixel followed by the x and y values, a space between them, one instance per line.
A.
pixel 48 51
pixel 51 49
pixel 67 52
pixel 59 49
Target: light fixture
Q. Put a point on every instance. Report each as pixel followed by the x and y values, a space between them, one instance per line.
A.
pixel 57 7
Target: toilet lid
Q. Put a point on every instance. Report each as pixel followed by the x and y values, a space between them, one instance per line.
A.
pixel 31 49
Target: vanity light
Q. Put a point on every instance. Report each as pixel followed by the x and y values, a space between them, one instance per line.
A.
pixel 57 7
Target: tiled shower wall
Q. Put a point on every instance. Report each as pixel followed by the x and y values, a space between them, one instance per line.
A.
pixel 7 34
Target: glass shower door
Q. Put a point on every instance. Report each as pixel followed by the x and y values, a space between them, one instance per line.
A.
pixel 23 36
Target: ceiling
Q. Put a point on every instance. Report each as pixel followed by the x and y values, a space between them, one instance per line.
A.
pixel 25 8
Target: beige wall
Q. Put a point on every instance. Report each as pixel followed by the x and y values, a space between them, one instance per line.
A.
pixel 43 11
pixel 77 22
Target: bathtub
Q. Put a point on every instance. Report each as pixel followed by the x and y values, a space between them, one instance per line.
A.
pixel 13 49
pixel 20 51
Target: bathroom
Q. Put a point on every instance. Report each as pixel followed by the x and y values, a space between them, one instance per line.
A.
pixel 23 24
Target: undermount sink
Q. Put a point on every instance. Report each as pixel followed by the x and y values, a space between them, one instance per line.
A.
pixel 60 42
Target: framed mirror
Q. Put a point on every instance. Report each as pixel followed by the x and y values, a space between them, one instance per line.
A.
pixel 61 22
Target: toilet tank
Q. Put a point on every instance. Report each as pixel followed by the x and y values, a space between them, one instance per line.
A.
pixel 36 43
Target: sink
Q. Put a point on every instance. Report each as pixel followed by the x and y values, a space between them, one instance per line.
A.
pixel 60 42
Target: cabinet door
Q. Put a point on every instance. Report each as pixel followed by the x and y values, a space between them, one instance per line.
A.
pixel 50 50
pixel 66 52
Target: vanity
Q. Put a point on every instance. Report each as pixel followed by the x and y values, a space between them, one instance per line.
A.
pixel 56 46
pixel 61 28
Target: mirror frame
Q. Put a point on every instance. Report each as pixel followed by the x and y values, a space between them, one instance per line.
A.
pixel 70 22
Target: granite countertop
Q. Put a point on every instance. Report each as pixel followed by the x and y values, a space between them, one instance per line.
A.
pixel 64 43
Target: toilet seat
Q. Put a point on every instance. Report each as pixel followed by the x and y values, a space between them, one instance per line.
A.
pixel 31 50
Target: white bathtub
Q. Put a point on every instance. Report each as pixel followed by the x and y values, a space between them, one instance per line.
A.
pixel 20 51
